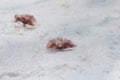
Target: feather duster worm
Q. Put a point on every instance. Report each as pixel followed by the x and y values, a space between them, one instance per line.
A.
pixel 60 44
pixel 26 19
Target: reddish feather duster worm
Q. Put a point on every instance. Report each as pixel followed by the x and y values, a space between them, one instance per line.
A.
pixel 60 44
pixel 26 19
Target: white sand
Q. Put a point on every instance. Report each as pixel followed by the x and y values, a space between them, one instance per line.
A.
pixel 94 25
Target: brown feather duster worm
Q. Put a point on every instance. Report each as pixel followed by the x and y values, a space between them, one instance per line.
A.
pixel 26 19
pixel 60 44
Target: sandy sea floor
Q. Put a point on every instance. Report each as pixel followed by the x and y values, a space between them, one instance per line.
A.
pixel 93 25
